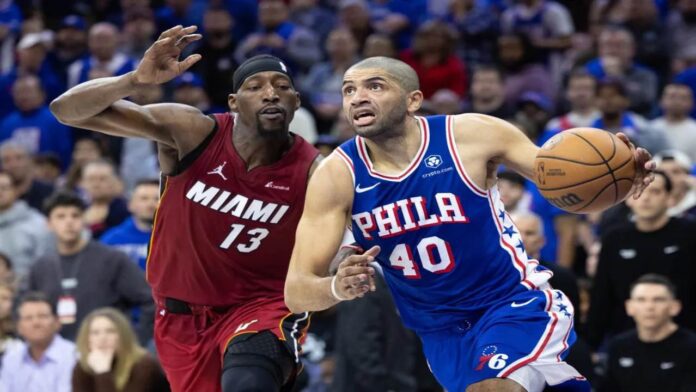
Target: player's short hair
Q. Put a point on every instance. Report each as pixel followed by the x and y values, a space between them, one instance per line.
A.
pixel 36 296
pixel 63 199
pixel 613 83
pixel 48 158
pixel 490 68
pixel 147 181
pixel 12 145
pixel 668 182
pixel 512 176
pixel 656 279
pixel 402 73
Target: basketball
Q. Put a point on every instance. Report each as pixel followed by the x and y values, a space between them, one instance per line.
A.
pixel 584 170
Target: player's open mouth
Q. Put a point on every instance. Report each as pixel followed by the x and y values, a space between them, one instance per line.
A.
pixel 362 117
pixel 272 113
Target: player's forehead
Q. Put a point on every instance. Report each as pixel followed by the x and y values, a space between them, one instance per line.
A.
pixel 265 76
pixel 361 75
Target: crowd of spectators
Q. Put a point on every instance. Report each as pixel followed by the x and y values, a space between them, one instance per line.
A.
pixel 76 207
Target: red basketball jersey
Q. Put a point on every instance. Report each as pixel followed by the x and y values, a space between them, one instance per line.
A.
pixel 222 235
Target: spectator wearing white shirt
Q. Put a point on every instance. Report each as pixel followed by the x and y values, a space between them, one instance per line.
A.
pixel 676 103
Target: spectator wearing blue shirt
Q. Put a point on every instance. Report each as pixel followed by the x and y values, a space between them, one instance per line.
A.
pixel 188 90
pixel 104 59
pixel 133 235
pixel 32 124
pixel 179 12
pixel 69 44
pixel 31 60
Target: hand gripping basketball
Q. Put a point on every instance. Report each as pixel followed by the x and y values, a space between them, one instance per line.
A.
pixel 355 277
pixel 644 167
pixel 160 63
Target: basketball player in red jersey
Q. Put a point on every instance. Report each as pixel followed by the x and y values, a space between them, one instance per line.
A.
pixel 225 229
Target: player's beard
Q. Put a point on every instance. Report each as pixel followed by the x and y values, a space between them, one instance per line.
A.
pixel 278 131
pixel 384 123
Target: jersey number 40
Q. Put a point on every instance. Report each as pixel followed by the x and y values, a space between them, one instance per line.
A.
pixel 434 255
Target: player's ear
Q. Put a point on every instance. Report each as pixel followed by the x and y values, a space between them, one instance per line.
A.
pixel 299 101
pixel 675 308
pixel 414 101
pixel 232 102
pixel 629 307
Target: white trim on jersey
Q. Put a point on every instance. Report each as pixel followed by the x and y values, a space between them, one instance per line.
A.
pixel 454 154
pixel 349 162
pixel 365 157
pixel 519 265
pixel 293 332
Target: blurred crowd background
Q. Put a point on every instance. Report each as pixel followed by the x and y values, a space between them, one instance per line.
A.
pixel 76 207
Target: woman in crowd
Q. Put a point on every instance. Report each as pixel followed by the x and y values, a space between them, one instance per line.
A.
pixel 111 359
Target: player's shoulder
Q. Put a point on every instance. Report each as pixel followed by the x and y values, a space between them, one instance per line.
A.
pixel 624 340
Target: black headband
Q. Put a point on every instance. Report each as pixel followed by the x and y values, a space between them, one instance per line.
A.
pixel 256 64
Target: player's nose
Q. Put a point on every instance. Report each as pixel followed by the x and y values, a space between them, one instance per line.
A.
pixel 360 96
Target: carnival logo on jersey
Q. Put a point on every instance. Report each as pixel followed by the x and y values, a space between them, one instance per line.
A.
pixel 271 185
pixel 218 171
pixel 433 161
pixel 237 205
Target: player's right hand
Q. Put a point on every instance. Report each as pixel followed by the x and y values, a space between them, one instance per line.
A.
pixel 160 63
pixel 355 276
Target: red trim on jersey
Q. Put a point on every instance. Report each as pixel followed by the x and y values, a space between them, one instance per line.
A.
pixel 451 145
pixel 345 158
pixel 425 140
pixel 538 351
pixel 154 227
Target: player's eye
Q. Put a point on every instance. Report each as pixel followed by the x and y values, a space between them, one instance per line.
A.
pixel 375 86
pixel 348 90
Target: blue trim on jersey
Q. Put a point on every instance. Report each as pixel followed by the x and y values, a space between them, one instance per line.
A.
pixel 448 248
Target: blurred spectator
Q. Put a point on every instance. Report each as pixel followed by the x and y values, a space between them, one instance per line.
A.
pixel 522 70
pixel 560 230
pixel 44 361
pixel 15 159
pixel 311 15
pixel 10 21
pixel 397 18
pixel 677 166
pixel 69 45
pixel 280 37
pixel 6 269
pixel 533 112
pixel 111 358
pixel 132 237
pixel 217 50
pixel 138 31
pixel 31 56
pixel 658 354
pixel 48 167
pixel 104 59
pixel 32 124
pixel 188 90
pixel 374 352
pixel 85 275
pixel 547 24
pixel 581 95
pixel 651 39
pixel 8 335
pixel 355 15
pixel 477 27
pixel 304 125
pixel 179 12
pixel 487 93
pixel 326 144
pixel 322 85
pixel 613 103
pixel 378 44
pixel 616 49
pixel 23 232
pixel 653 243
pixel 432 57
pixel 513 194
pixel 87 149
pixel 681 28
pixel 445 101
pixel 676 103
pixel 106 208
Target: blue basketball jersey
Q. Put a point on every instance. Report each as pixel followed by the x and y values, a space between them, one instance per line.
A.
pixel 449 249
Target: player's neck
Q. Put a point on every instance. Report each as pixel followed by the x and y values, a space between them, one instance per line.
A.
pixel 652 335
pixel 395 151
pixel 675 117
pixel 488 105
pixel 257 150
pixel 71 248
pixel 652 224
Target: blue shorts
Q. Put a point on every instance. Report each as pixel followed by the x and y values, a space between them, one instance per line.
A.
pixel 524 338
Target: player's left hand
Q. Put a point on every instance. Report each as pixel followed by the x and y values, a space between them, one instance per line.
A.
pixel 644 167
pixel 355 276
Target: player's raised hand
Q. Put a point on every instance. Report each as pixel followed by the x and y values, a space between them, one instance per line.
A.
pixel 355 276
pixel 160 63
pixel 644 167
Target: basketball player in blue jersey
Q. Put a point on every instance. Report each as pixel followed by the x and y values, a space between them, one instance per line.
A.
pixel 420 195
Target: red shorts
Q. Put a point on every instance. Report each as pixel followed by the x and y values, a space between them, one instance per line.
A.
pixel 191 346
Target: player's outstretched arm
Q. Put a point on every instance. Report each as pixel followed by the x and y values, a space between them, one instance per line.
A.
pixel 99 104
pixel 308 286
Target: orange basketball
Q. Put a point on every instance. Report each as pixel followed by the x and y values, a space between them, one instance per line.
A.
pixel 584 170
